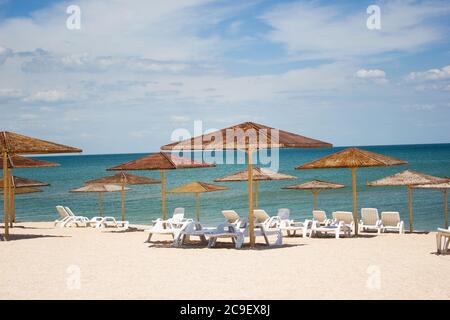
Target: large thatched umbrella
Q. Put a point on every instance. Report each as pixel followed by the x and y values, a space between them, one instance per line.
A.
pixel 259 174
pixel 315 186
pixel 407 178
pixel 248 137
pixel 443 187
pixel 124 179
pixel 197 187
pixel 12 144
pixel 352 158
pixel 100 189
pixel 161 161
pixel 25 190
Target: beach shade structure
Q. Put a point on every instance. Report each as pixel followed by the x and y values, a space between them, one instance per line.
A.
pixel 247 137
pixel 100 189
pixel 13 144
pixel 444 187
pixel 409 179
pixel 259 174
pixel 315 186
pixel 123 179
pixel 25 190
pixel 18 162
pixel 161 161
pixel 197 187
pixel 352 158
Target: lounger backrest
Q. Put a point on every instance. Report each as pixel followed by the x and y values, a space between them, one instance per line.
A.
pixel 319 215
pixel 69 211
pixel 390 218
pixel 283 213
pixel 260 215
pixel 178 210
pixel 369 216
pixel 62 212
pixel 177 217
pixel 231 216
pixel 344 216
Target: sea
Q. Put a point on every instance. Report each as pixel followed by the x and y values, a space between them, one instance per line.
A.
pixel 143 202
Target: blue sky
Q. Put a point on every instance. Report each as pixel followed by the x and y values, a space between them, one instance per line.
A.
pixel 137 70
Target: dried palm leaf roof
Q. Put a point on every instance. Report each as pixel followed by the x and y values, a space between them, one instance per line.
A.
pixel 441 186
pixel 407 178
pixel 161 161
pixel 17 162
pixel 18 182
pixel 125 178
pixel 14 143
pixel 315 185
pixel 247 134
pixel 99 188
pixel 352 158
pixel 259 174
pixel 198 187
pixel 24 190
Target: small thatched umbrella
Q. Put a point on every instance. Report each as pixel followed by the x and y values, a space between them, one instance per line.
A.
pixel 248 137
pixel 100 188
pixel 443 187
pixel 12 144
pixel 25 190
pixel 407 178
pixel 315 186
pixel 161 161
pixel 352 158
pixel 124 179
pixel 259 174
pixel 197 187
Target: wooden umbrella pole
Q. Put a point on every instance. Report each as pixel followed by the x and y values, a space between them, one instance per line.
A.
pixel 100 207
pixel 11 198
pixel 256 194
pixel 315 199
pixel 5 192
pixel 13 205
pixel 355 208
pixel 410 209
pixel 445 209
pixel 123 201
pixel 163 196
pixel 250 197
pixel 197 207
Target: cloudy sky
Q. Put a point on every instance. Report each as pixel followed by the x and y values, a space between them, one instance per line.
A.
pixel 139 69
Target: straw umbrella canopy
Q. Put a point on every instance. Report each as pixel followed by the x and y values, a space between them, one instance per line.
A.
pixel 161 161
pixel 12 144
pixel 443 187
pixel 352 158
pixel 100 189
pixel 259 174
pixel 197 187
pixel 247 136
pixel 407 178
pixel 123 179
pixel 315 186
pixel 25 190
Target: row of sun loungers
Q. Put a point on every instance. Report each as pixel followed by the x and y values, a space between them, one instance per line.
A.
pixel 68 219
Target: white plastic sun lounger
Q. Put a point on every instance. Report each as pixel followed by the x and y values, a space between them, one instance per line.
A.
pixel 266 226
pixel 111 222
pixel 292 227
pixel 87 222
pixel 346 217
pixel 166 227
pixel 67 218
pixel 233 217
pixel 335 229
pixel 390 221
pixel 225 230
pixel 442 240
pixel 321 217
pixel 370 220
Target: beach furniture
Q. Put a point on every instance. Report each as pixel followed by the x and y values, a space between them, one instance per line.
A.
pixel 233 217
pixel 321 217
pixel 283 213
pixel 292 227
pixel 111 222
pixel 266 226
pixel 88 222
pixel 166 227
pixel 370 220
pixel 335 229
pixel 261 217
pixel 68 218
pixel 177 216
pixel 63 217
pixel 190 229
pixel 442 240
pixel 346 217
pixel 390 221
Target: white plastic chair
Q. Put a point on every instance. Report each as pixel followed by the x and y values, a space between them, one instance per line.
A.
pixel 390 221
pixel 442 240
pixel 370 220
pixel 346 217
pixel 321 217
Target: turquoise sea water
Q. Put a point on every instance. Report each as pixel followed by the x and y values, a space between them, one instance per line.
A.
pixel 143 203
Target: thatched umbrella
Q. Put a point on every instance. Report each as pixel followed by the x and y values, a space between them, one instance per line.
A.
pixel 123 179
pixel 25 190
pixel 100 189
pixel 315 186
pixel 161 161
pixel 247 136
pixel 12 144
pixel 352 158
pixel 259 174
pixel 443 187
pixel 408 178
pixel 197 187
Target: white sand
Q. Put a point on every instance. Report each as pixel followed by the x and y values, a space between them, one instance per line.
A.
pixel 42 262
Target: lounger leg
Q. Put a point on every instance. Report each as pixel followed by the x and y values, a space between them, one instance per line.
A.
pixel 149 237
pixel 266 239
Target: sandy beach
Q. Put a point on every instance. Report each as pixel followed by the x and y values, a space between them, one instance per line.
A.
pixel 43 262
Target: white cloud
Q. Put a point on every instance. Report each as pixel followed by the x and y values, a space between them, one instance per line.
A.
pixel 5 53
pixel 432 74
pixel 47 96
pixel 370 74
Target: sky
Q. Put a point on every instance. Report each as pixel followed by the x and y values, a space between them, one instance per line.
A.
pixel 137 70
